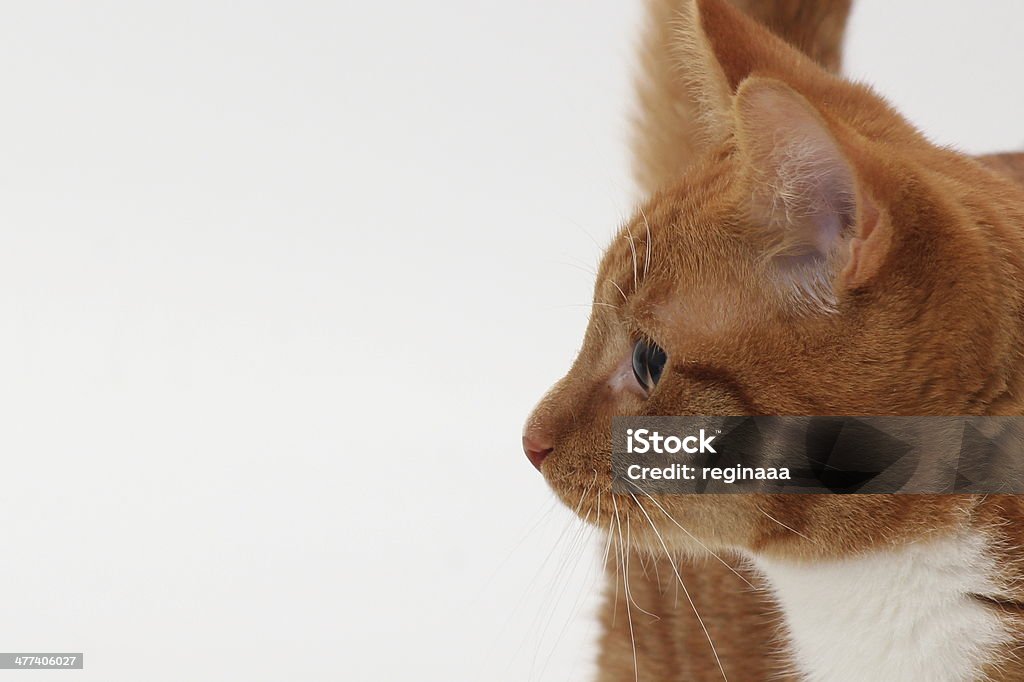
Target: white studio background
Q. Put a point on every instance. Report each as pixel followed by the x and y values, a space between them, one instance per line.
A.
pixel 279 283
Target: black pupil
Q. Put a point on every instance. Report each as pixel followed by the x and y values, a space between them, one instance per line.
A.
pixel 648 361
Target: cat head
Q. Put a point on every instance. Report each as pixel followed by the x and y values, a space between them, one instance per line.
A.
pixel 811 254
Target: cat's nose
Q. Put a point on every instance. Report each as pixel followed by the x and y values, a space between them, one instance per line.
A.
pixel 536 447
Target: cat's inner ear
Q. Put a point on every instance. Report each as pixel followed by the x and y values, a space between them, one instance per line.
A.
pixel 823 231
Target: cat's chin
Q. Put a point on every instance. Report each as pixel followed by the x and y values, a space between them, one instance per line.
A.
pixel 591 500
pixel 682 525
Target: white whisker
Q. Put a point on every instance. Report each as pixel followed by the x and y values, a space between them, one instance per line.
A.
pixel 691 535
pixel 629 543
pixel 785 526
pixel 625 588
pixel 623 293
pixel 681 584
pixel 586 269
pixel 632 248
pixel 647 258
pixel 588 305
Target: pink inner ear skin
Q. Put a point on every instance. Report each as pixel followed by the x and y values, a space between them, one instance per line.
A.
pixel 867 249
pixel 799 170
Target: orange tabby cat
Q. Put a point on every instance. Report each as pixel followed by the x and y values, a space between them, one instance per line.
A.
pixel 803 250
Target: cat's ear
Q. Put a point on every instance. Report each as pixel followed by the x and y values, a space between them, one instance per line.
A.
pixel 695 53
pixel 744 47
pixel 702 74
pixel 682 94
pixel 825 232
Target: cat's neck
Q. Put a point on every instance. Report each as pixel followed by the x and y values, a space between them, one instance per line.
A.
pixel 999 213
pixel 908 613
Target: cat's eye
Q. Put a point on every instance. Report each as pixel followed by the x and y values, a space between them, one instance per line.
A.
pixel 648 361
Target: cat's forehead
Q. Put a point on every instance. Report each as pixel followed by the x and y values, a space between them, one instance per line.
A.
pixel 679 230
pixel 671 244
pixel 679 271
pixel 705 296
pixel 627 260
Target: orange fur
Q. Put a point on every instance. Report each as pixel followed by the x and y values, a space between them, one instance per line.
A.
pixel 803 250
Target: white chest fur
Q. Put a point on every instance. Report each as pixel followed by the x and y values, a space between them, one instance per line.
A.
pixel 894 615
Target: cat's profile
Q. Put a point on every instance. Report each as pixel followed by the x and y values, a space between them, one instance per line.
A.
pixel 802 250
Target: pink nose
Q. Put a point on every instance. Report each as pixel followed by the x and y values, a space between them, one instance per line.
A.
pixel 536 448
